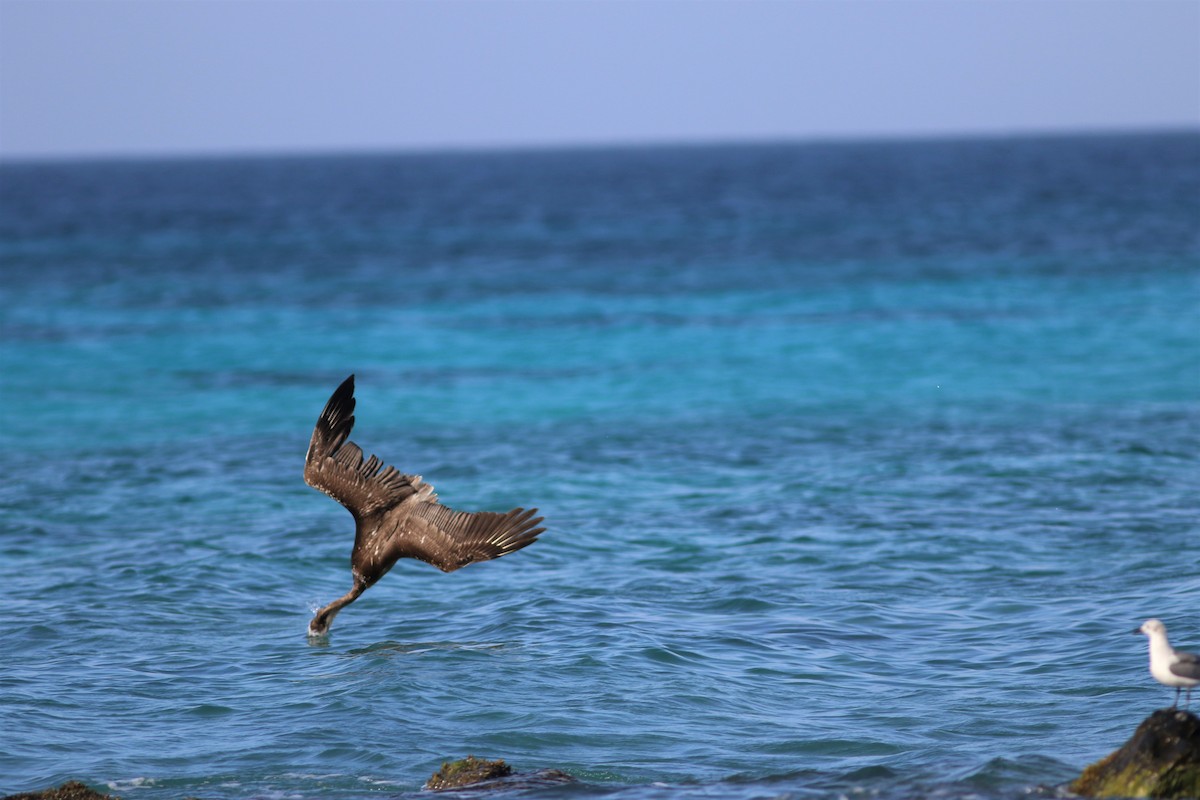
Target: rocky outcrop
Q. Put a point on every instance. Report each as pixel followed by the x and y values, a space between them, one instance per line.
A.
pixel 71 790
pixel 1160 760
pixel 466 772
pixel 479 773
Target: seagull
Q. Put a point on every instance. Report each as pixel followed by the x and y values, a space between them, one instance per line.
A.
pixel 1169 666
pixel 395 515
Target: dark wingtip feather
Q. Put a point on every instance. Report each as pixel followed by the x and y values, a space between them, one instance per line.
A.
pixel 343 396
pixel 335 423
pixel 339 411
pixel 521 530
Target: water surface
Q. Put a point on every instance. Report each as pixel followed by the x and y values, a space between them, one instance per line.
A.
pixel 859 462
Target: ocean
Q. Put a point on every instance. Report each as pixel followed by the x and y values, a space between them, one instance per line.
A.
pixel 859 463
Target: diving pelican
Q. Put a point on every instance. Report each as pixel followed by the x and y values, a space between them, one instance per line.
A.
pixel 395 515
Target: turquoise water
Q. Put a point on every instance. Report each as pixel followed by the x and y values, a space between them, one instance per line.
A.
pixel 859 463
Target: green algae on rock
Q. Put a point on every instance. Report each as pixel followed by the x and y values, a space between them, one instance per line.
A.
pixel 1160 760
pixel 71 790
pixel 467 771
pixel 478 773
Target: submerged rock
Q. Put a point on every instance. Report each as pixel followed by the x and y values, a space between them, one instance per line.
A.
pixel 1160 760
pixel 71 790
pixel 479 773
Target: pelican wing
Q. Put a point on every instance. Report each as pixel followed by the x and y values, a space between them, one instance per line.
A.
pixel 335 465
pixel 1187 665
pixel 450 539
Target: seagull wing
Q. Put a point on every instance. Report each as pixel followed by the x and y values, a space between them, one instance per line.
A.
pixel 449 539
pixel 335 465
pixel 1186 665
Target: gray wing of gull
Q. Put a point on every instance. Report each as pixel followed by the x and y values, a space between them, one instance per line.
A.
pixel 1188 666
pixel 335 465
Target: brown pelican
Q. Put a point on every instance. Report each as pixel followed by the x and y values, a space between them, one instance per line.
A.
pixel 1169 666
pixel 395 515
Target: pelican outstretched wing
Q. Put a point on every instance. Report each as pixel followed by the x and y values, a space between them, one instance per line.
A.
pixel 449 539
pixel 335 465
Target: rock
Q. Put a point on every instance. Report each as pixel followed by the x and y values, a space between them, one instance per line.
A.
pixel 466 772
pixel 71 790
pixel 1160 760
pixel 478 773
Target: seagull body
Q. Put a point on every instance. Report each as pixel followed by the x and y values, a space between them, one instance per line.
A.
pixel 1169 666
pixel 396 515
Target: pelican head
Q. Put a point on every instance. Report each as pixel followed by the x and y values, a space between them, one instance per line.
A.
pixel 319 626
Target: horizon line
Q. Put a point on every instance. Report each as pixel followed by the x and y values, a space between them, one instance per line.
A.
pixel 632 143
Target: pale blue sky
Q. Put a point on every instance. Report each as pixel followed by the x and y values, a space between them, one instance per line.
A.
pixel 119 77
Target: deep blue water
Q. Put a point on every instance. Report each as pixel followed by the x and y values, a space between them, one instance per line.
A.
pixel 860 461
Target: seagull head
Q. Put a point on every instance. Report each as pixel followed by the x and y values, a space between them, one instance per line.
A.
pixel 1152 627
